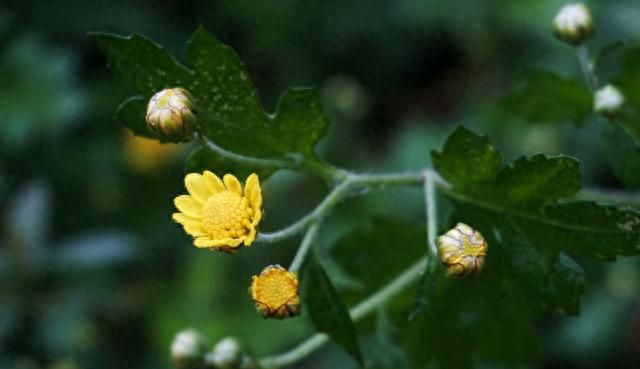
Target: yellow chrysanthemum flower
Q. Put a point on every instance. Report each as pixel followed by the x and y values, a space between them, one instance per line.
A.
pixel 275 293
pixel 219 214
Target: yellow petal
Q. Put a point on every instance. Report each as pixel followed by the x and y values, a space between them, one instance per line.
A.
pixel 213 182
pixel 248 239
pixel 184 219
pixel 233 184
pixel 256 198
pixel 194 230
pixel 188 206
pixel 208 242
pixel 251 184
pixel 197 188
pixel 256 217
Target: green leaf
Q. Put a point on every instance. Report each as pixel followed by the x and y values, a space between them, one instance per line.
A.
pixel 586 228
pixel 472 322
pixel 529 193
pixel 203 159
pixel 129 113
pixel 229 110
pixel 533 181
pixel 430 282
pixel 326 308
pixel 549 98
pixel 467 159
pixel 142 62
pixel 532 229
pixel 623 153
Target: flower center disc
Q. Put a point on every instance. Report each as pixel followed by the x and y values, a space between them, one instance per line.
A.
pixel 275 289
pixel 225 215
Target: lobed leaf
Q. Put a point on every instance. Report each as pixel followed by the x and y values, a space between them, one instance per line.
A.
pixel 228 107
pixel 532 231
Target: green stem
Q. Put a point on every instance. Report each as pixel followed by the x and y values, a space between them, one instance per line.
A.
pixel 611 196
pixel 340 192
pixel 431 208
pixel 358 312
pixel 315 167
pixel 337 194
pixel 257 162
pixel 587 67
pixel 307 241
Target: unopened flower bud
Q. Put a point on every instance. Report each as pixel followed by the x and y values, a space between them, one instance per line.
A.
pixel 275 293
pixel 187 349
pixel 608 100
pixel 171 114
pixel 227 354
pixel 462 250
pixel 573 24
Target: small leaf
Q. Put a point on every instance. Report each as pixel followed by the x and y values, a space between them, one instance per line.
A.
pixel 623 153
pixel 203 159
pixel 467 159
pixel 327 310
pixel 549 98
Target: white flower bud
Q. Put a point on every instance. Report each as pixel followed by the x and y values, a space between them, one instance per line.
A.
pixel 226 354
pixel 170 113
pixel 608 100
pixel 187 349
pixel 573 24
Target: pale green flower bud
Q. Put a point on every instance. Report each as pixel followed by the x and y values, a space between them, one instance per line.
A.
pixel 171 114
pixel 573 24
pixel 227 354
pixel 187 349
pixel 608 100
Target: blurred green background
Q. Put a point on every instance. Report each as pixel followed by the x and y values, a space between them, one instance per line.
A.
pixel 95 274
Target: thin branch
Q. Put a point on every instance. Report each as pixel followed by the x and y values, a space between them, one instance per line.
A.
pixel 258 162
pixel 431 210
pixel 587 67
pixel 307 241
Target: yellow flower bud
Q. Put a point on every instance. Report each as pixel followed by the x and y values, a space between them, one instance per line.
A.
pixel 462 250
pixel 573 24
pixel 275 293
pixel 170 113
